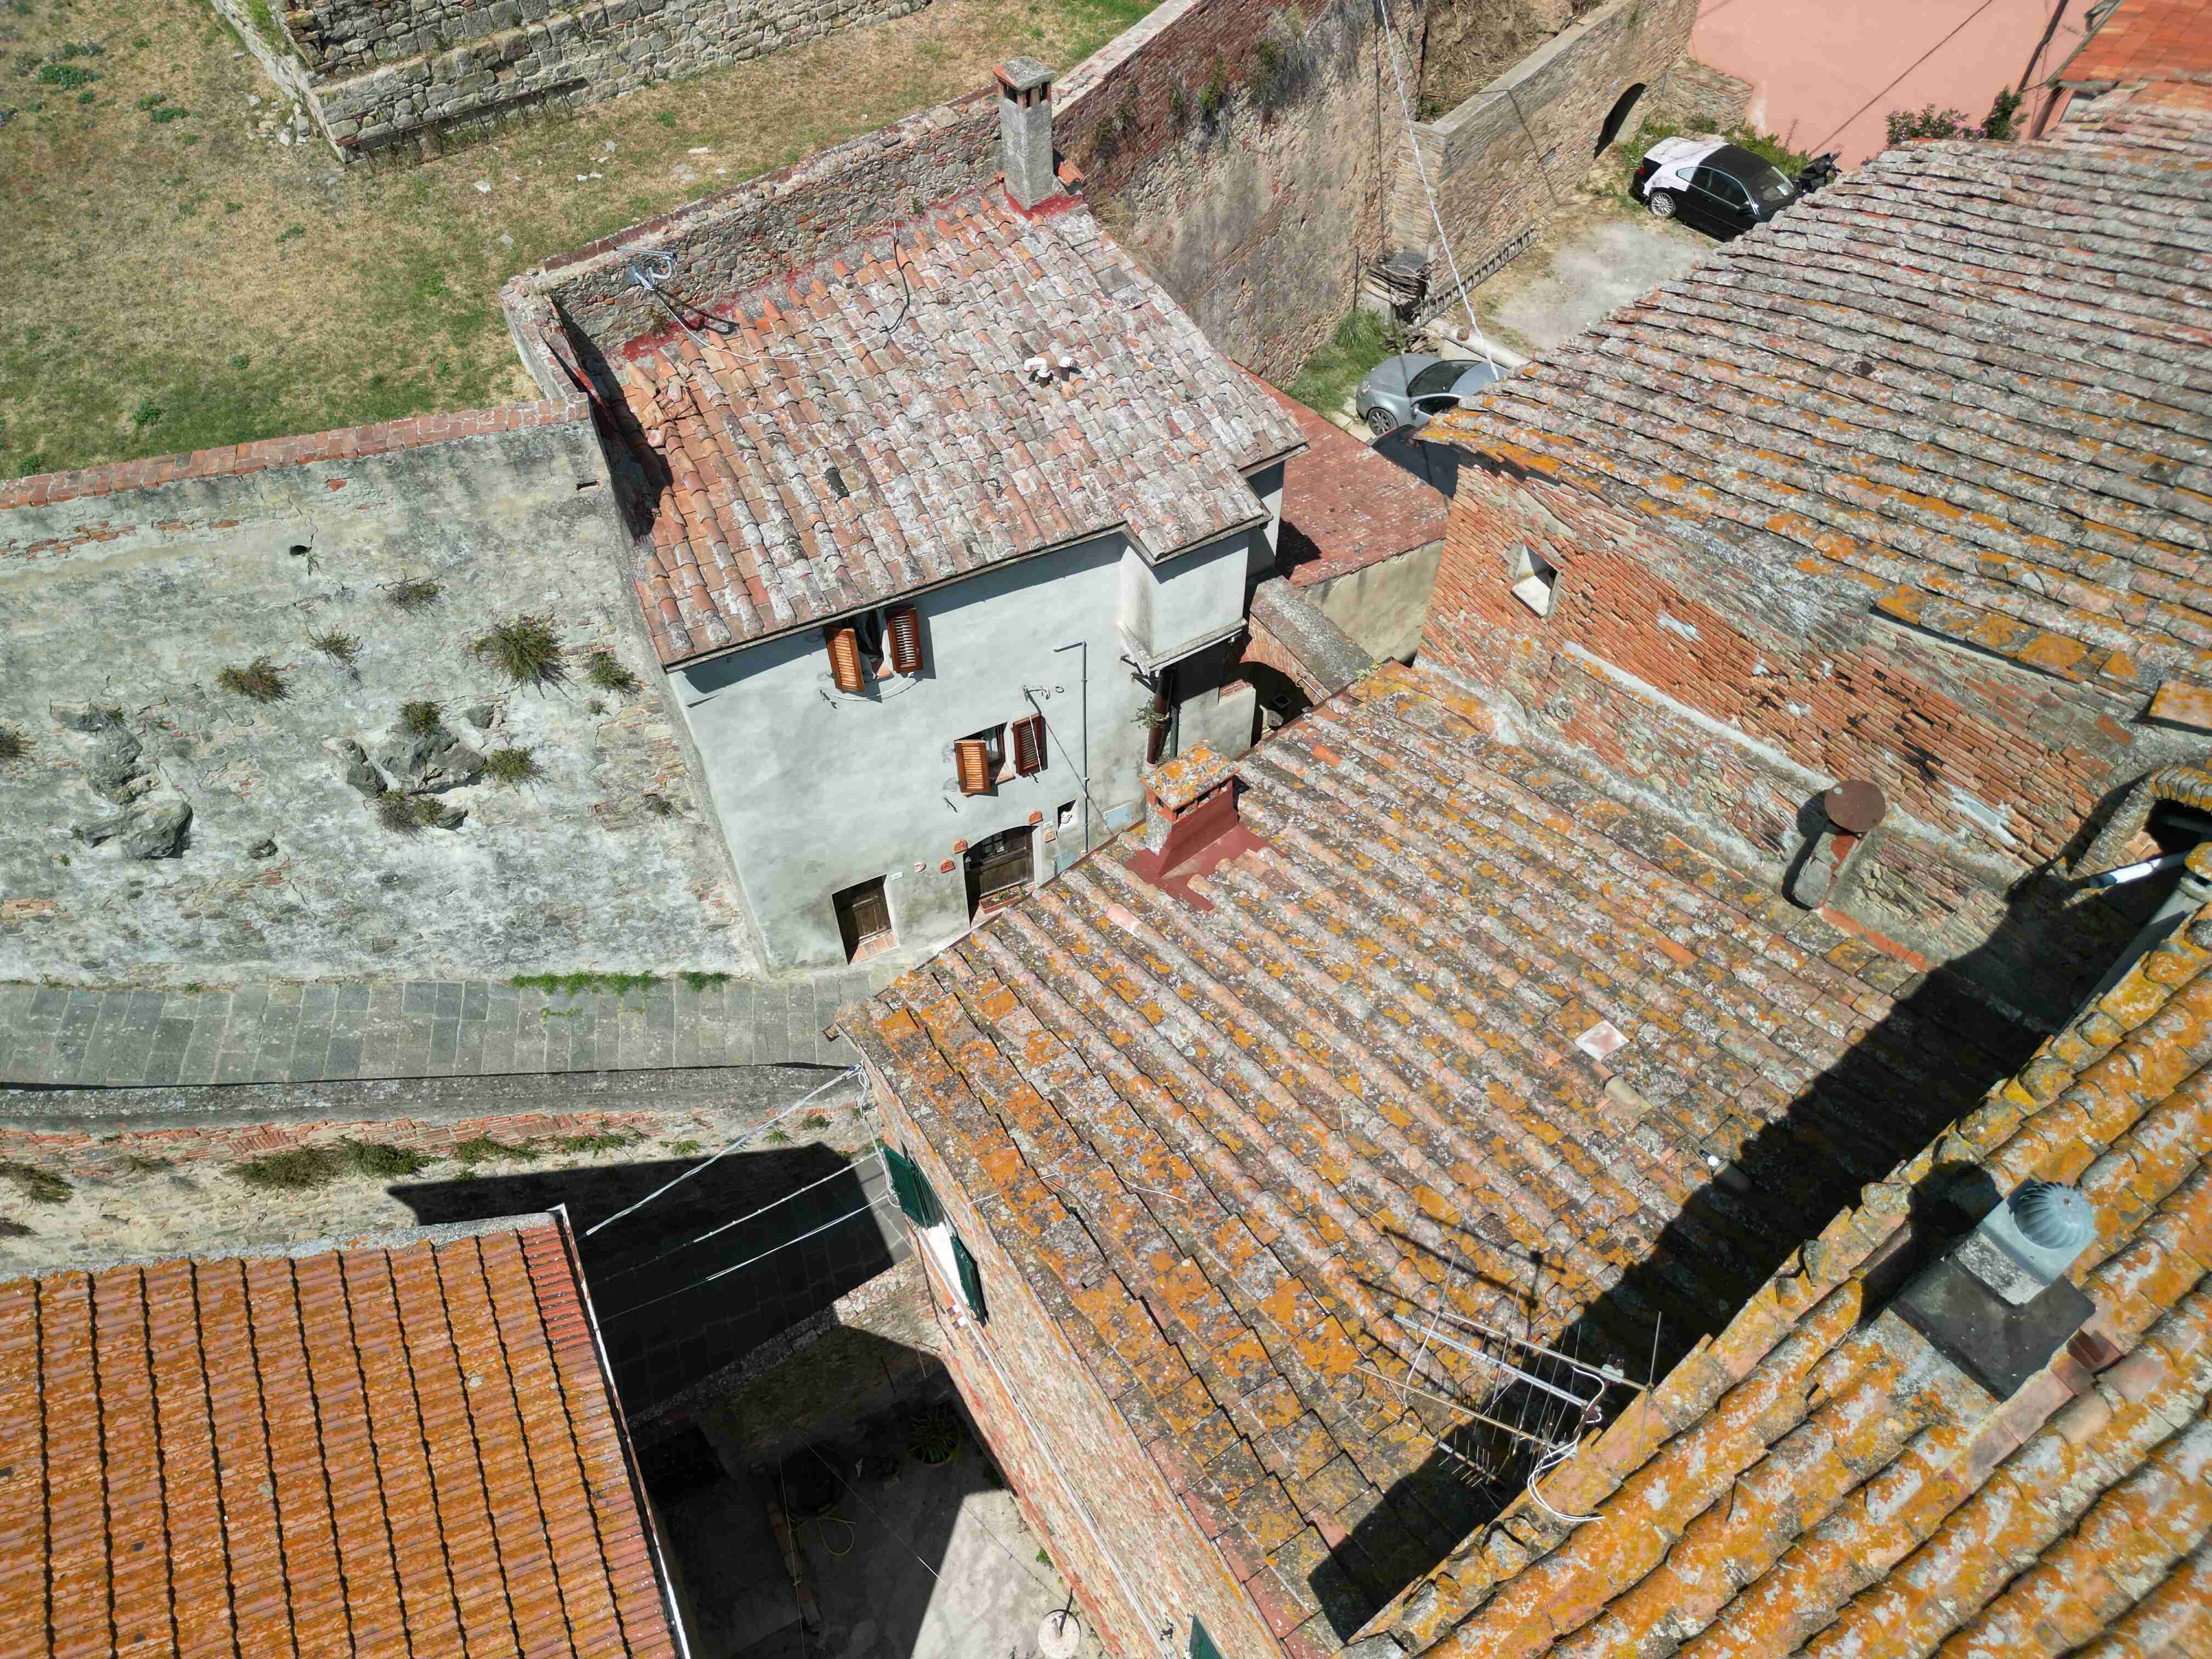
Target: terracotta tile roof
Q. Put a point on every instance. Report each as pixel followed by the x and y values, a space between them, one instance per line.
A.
pixel 407 1448
pixel 1817 1480
pixel 1241 1154
pixel 1967 377
pixel 2145 40
pixel 1345 507
pixel 787 489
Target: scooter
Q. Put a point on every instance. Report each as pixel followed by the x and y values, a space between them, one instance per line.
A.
pixel 1820 170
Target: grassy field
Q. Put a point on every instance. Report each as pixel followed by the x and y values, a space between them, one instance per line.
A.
pixel 172 280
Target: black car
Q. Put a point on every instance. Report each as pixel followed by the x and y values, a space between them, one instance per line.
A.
pixel 1721 188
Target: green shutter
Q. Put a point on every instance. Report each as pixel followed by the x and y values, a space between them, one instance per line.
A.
pixel 912 1189
pixel 1202 1644
pixel 971 1282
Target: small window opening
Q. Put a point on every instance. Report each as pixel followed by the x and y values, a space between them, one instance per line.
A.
pixel 1065 818
pixel 1534 579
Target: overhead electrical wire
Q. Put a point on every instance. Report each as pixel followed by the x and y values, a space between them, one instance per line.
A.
pixel 845 1170
pixel 723 1273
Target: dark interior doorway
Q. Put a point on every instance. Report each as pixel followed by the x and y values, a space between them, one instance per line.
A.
pixel 998 869
pixel 864 918
pixel 1614 121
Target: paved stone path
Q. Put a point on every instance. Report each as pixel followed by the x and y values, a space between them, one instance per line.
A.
pixel 307 1033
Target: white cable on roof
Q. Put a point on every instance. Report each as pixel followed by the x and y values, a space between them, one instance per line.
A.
pixel 850 1071
pixel 1406 116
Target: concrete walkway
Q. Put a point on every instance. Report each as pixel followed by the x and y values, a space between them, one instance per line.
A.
pixel 309 1033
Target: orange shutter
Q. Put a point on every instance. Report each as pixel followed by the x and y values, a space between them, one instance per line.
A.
pixel 972 759
pixel 904 628
pixel 1028 744
pixel 845 668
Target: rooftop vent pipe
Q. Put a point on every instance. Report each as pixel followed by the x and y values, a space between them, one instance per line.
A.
pixel 1997 1303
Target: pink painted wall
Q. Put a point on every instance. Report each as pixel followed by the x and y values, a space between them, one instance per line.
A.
pixel 1825 74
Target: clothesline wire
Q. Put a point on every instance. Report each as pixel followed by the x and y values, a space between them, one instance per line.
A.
pixel 723 1273
pixel 853 1170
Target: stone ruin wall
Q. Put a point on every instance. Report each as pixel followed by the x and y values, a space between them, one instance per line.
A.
pixel 160 828
pixel 1509 157
pixel 401 76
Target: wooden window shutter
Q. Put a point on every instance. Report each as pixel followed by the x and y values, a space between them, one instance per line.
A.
pixel 971 1281
pixel 902 625
pixel 845 669
pixel 1028 744
pixel 912 1189
pixel 972 760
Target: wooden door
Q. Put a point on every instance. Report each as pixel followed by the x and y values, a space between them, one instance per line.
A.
pixel 863 914
pixel 998 869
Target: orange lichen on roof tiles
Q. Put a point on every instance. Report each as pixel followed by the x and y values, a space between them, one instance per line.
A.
pixel 406 1447
pixel 1299 1122
pixel 1876 1501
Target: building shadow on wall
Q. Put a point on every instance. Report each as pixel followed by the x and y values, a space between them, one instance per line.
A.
pixel 673 1311
pixel 1928 1062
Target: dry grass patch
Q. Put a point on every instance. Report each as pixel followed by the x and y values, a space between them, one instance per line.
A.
pixel 273 291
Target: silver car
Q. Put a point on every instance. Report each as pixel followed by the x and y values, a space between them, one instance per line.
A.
pixel 1411 388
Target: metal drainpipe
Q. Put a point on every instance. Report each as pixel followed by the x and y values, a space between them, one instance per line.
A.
pixel 2190 895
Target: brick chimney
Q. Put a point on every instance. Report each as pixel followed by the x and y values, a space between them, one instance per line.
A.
pixel 1192 825
pixel 1025 130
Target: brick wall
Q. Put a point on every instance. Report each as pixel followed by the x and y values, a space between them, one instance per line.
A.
pixel 379 74
pixel 738 237
pixel 1255 221
pixel 1733 691
pixel 1128 1498
pixel 1505 158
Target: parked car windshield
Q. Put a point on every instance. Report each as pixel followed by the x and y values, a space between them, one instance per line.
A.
pixel 1768 182
pixel 1437 377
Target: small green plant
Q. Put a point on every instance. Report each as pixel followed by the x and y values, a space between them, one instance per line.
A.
pixel 259 680
pixel 302 1169
pixel 146 414
pixel 1282 62
pixel 483 1149
pixel 1117 129
pixel 524 648
pixel 419 719
pixel 291 232
pixel 1179 105
pixel 777 1137
pixel 1998 124
pixel 700 979
pixel 341 648
pixel 14 745
pixel 607 1141
pixel 86 97
pixel 602 670
pixel 816 1121
pixel 169 112
pixel 381 1161
pixel 140 1164
pixel 406 815
pixel 415 592
pixel 1904 125
pixel 933 1435
pixel 83 48
pixel 1214 96
pixel 659 805
pixel 667 118
pixel 574 985
pixel 39 1186
pixel 510 768
pixel 684 1148
pixel 68 77
pixel 1043 1560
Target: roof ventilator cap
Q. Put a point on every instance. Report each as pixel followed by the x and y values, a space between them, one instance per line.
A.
pixel 2028 1242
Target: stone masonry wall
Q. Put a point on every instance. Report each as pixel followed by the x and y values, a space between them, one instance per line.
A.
pixel 738 238
pixel 1734 693
pixel 1505 158
pixel 1256 216
pixel 160 828
pixel 379 73
pixel 1154 1540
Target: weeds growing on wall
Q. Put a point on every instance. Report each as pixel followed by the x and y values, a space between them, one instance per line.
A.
pixel 341 648
pixel 1116 130
pixel 699 979
pixel 659 805
pixel 415 592
pixel 603 670
pixel 39 1186
pixel 303 1168
pixel 574 985
pixel 606 1140
pixel 420 719
pixel 259 680
pixel 140 1164
pixel 510 768
pixel 524 648
pixel 483 1149
pixel 408 814
pixel 1214 96
pixel 14 745
pixel 1283 61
